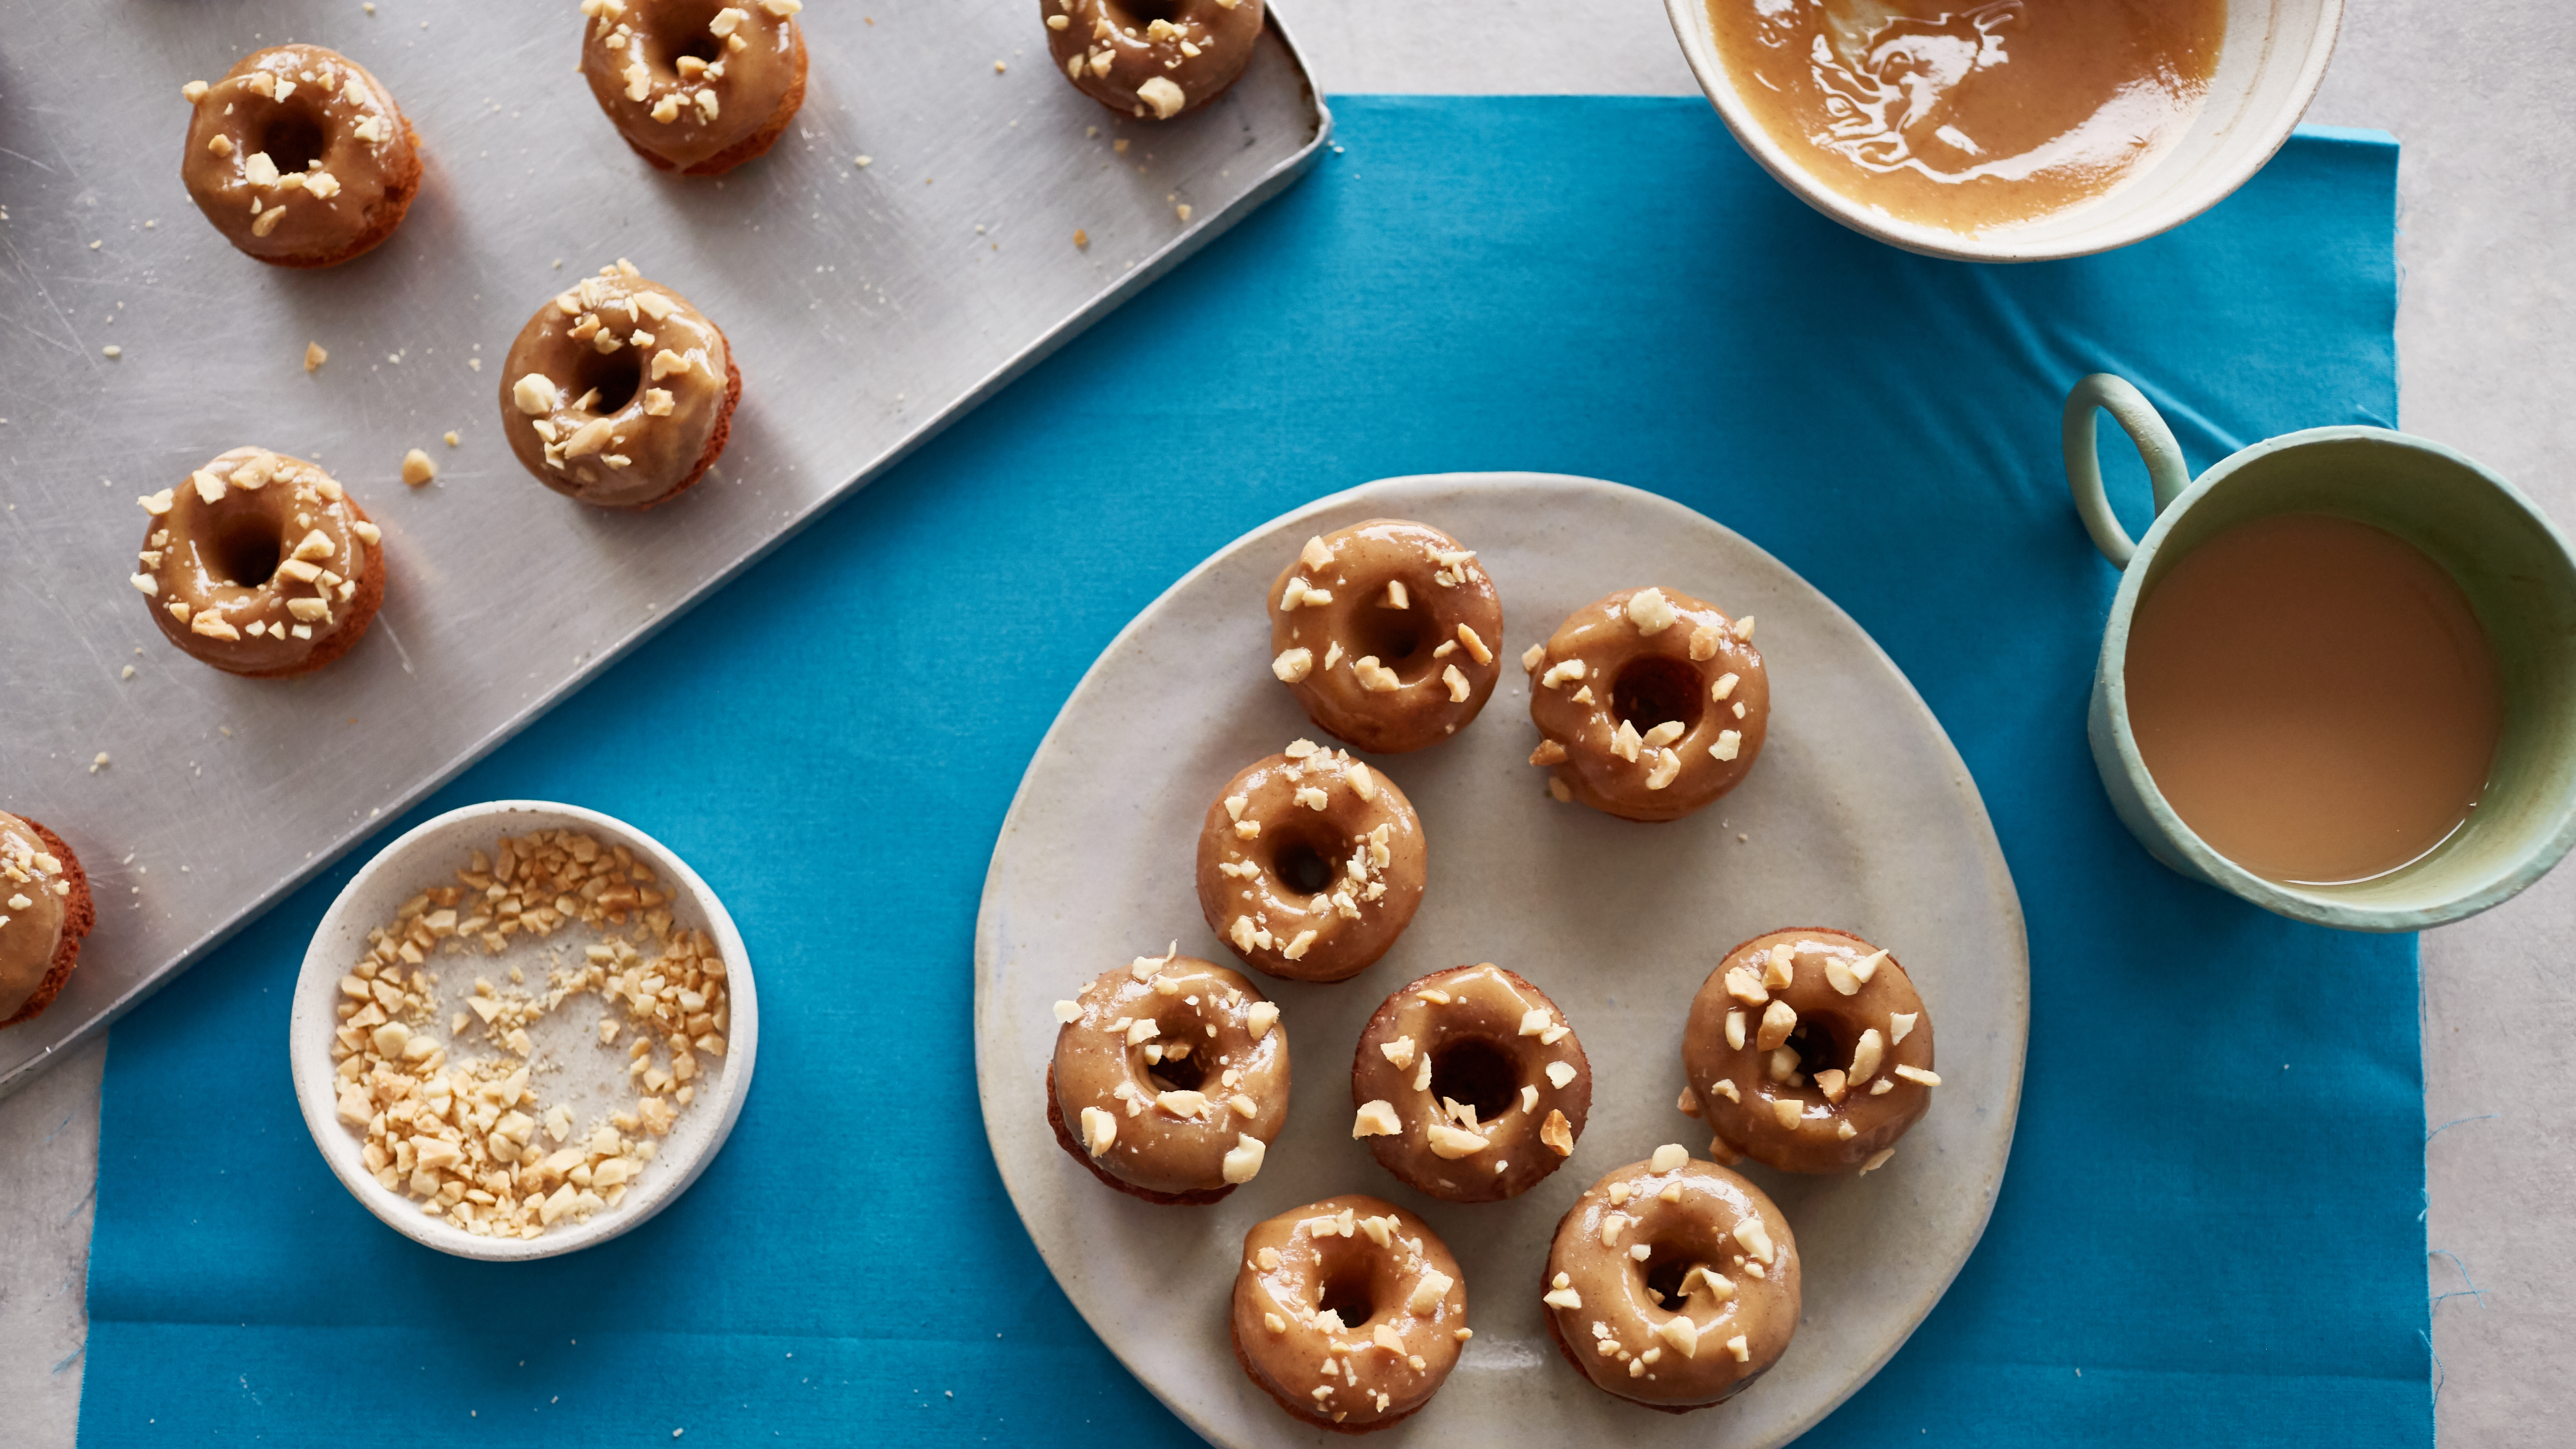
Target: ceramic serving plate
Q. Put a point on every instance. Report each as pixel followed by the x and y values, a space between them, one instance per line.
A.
pixel 1860 815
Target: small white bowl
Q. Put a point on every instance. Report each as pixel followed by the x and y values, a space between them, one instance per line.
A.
pixel 431 855
pixel 2269 67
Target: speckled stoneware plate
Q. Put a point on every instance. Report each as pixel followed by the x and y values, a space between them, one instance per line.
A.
pixel 1860 815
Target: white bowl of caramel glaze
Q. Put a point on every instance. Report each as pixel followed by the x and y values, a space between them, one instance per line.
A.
pixel 2009 130
pixel 489 1034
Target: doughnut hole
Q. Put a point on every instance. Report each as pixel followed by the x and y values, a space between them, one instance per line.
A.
pixel 1178 1074
pixel 1400 639
pixel 681 31
pixel 1821 1042
pixel 1653 689
pixel 1344 1285
pixel 1145 12
pixel 1305 862
pixel 1476 1072
pixel 1669 1259
pixel 291 134
pixel 618 376
pixel 245 549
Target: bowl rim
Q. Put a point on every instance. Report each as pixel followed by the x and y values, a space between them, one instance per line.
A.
pixel 1692 27
pixel 2535 859
pixel 317 991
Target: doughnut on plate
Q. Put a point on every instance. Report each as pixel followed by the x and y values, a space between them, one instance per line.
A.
pixel 1860 815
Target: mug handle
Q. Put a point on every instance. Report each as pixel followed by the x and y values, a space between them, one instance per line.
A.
pixel 2147 431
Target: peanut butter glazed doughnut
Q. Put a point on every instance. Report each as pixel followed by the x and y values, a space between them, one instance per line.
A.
pixel 1350 1312
pixel 1310 864
pixel 1470 1086
pixel 1653 704
pixel 1170 1079
pixel 1385 632
pixel 696 86
pixel 1152 57
pixel 618 392
pixel 299 156
pixel 1672 1283
pixel 260 565
pixel 45 910
pixel 1809 1051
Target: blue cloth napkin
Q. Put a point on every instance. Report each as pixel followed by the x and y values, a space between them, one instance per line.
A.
pixel 2210 1228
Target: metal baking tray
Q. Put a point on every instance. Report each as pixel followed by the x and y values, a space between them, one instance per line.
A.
pixel 868 306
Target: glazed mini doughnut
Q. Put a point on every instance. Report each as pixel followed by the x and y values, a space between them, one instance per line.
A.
pixel 1470 1085
pixel 618 392
pixel 1310 864
pixel 45 910
pixel 1385 632
pixel 299 156
pixel 1809 1051
pixel 1170 1078
pixel 695 86
pixel 1349 1311
pixel 1672 1283
pixel 260 565
pixel 1144 58
pixel 1652 704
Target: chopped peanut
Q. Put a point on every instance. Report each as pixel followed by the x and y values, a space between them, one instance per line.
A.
pixel 468 1139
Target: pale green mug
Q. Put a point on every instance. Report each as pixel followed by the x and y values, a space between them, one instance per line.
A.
pixel 2511 562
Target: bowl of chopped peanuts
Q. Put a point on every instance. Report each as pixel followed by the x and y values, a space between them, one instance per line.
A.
pixel 523 1028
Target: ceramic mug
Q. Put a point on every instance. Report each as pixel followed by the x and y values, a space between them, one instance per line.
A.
pixel 2270 63
pixel 2511 562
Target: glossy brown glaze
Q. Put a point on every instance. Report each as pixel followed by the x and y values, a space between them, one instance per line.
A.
pixel 45 910
pixel 1971 115
pixel 1385 631
pixel 618 392
pixel 1651 702
pixel 1469 1085
pixel 696 86
pixel 1170 1079
pixel 1310 864
pixel 299 156
pixel 1357 1284
pixel 1152 60
pixel 1696 1317
pixel 1809 1052
pixel 260 565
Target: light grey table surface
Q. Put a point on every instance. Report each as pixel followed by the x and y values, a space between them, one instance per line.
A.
pixel 2468 87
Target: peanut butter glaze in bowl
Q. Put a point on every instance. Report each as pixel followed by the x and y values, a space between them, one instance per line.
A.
pixel 1973 116
pixel 1908 121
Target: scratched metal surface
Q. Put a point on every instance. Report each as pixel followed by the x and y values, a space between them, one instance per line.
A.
pixel 867 306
